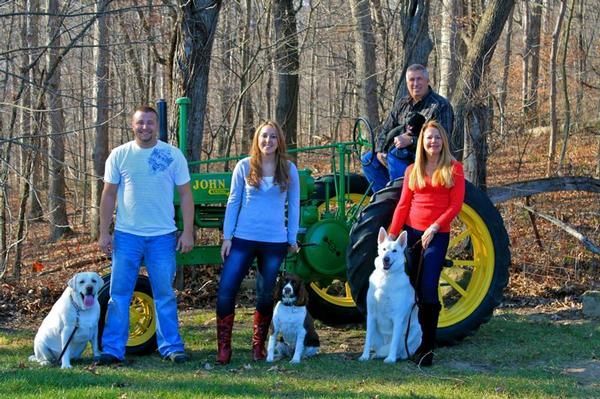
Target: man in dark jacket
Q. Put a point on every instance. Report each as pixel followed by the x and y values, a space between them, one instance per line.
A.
pixel 396 140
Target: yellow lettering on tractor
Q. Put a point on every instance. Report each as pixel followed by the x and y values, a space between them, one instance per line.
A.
pixel 211 186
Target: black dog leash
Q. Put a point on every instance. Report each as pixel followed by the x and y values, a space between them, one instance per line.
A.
pixel 418 278
pixel 73 333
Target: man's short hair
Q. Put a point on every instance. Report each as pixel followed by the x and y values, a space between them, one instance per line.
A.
pixel 145 109
pixel 418 67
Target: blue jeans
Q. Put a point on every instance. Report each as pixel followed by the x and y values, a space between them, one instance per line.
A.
pixel 426 280
pixel 379 174
pixel 269 257
pixel 158 255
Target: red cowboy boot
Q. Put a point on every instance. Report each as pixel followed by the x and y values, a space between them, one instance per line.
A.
pixel 261 330
pixel 224 329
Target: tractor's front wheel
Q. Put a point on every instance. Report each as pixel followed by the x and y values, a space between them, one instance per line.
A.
pixel 142 319
pixel 478 258
pixel 333 304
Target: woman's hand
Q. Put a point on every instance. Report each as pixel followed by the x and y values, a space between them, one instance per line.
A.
pixel 225 248
pixel 293 248
pixel 428 235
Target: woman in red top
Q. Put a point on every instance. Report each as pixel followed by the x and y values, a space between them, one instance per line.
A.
pixel 432 196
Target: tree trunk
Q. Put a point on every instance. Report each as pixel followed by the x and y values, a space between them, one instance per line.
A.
pixel 448 48
pixel 247 114
pixel 565 79
pixel 503 89
pixel 287 63
pixel 226 88
pixel 57 204
pixel 416 42
pixel 479 55
pixel 100 154
pixel 196 36
pixel 366 61
pixel 475 160
pixel 553 117
pixel 531 59
pixel 30 24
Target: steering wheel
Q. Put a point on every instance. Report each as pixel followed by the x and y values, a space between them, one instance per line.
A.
pixel 362 127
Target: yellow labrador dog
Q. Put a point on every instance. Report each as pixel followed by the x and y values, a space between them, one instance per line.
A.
pixel 76 310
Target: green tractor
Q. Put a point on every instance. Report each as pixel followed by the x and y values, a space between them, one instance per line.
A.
pixel 339 221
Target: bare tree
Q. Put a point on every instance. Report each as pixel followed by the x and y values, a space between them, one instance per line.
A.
pixel 101 56
pixel 417 44
pixel 366 60
pixel 59 223
pixel 198 21
pixel 503 86
pixel 565 80
pixel 32 22
pixel 449 49
pixel 287 64
pixel 532 22
pixel 467 98
pixel 553 117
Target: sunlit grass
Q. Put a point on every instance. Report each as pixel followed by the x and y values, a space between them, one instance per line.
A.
pixel 513 356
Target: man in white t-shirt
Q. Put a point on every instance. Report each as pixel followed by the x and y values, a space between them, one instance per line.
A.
pixel 140 178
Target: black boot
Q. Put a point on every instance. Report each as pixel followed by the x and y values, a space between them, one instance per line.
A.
pixel 428 317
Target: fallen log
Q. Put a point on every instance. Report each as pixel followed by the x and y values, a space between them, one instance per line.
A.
pixel 583 239
pixel 507 192
pixel 551 184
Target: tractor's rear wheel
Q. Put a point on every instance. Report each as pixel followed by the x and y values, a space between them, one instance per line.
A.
pixel 142 319
pixel 478 260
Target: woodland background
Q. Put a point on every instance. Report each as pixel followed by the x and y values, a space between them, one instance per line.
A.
pixel 523 77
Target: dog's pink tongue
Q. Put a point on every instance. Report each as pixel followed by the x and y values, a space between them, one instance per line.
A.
pixel 88 301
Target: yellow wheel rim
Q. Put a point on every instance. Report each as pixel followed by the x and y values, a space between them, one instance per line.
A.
pixel 463 286
pixel 142 323
pixel 337 293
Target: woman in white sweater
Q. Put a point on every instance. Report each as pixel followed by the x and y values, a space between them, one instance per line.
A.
pixel 256 227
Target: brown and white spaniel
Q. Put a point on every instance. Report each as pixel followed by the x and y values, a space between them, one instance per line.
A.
pixel 291 323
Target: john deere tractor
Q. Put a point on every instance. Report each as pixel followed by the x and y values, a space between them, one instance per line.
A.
pixel 340 218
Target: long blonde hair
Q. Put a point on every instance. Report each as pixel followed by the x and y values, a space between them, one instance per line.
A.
pixel 282 169
pixel 442 176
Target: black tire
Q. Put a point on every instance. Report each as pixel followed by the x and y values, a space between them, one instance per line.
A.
pixel 480 268
pixel 355 184
pixel 142 323
pixel 332 305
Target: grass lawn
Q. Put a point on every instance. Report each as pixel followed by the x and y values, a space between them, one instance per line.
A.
pixel 513 356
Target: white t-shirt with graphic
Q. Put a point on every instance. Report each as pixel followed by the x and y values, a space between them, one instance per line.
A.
pixel 146 178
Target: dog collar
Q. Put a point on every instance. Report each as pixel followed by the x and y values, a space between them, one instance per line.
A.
pixel 291 302
pixel 77 310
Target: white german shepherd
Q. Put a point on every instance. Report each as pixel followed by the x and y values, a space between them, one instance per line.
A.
pixel 393 329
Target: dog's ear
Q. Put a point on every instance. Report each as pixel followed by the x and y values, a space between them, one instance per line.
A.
pixel 277 289
pixel 302 294
pixel 99 282
pixel 73 282
pixel 402 238
pixel 382 235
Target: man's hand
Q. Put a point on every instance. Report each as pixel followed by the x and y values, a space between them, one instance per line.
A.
pixel 105 243
pixel 185 243
pixel 403 140
pixel 382 158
